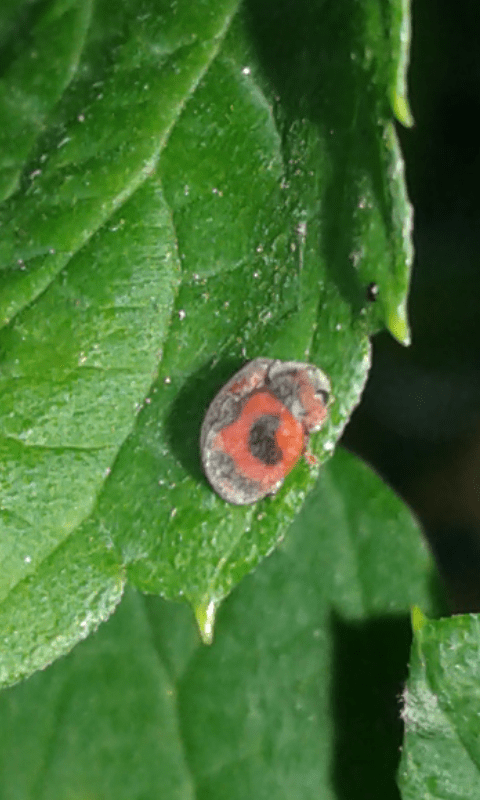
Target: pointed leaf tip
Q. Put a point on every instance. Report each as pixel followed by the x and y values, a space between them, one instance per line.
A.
pixel 205 615
pixel 397 324
pixel 402 111
pixel 418 619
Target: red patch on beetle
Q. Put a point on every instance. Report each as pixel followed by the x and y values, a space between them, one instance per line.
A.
pixel 257 427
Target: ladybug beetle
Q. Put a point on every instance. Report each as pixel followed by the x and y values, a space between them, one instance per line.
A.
pixel 257 427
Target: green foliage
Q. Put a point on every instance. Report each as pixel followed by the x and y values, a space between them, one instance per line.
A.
pixel 186 186
pixel 441 754
pixel 174 205
pixel 296 697
pixel 45 48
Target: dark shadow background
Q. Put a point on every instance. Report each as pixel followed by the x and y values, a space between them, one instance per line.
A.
pixel 419 420
pixel 369 671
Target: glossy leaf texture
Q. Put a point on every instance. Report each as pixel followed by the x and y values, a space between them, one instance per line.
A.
pixel 441 753
pixel 215 184
pixel 298 696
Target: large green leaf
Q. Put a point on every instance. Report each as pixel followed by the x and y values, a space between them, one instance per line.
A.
pixel 214 185
pixel 441 752
pixel 296 697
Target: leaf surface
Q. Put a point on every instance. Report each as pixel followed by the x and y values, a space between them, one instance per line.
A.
pixel 41 57
pixel 441 752
pixel 184 209
pixel 297 695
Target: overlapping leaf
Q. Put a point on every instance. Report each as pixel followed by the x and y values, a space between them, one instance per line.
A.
pixel 297 696
pixel 441 753
pixel 277 198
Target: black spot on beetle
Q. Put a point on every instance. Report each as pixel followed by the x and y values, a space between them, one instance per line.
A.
pixel 262 442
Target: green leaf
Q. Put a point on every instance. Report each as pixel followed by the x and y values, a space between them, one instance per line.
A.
pixel 297 696
pixel 81 353
pixel 98 154
pixel 300 687
pixel 441 752
pixel 37 78
pixel 185 209
pixel 101 723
